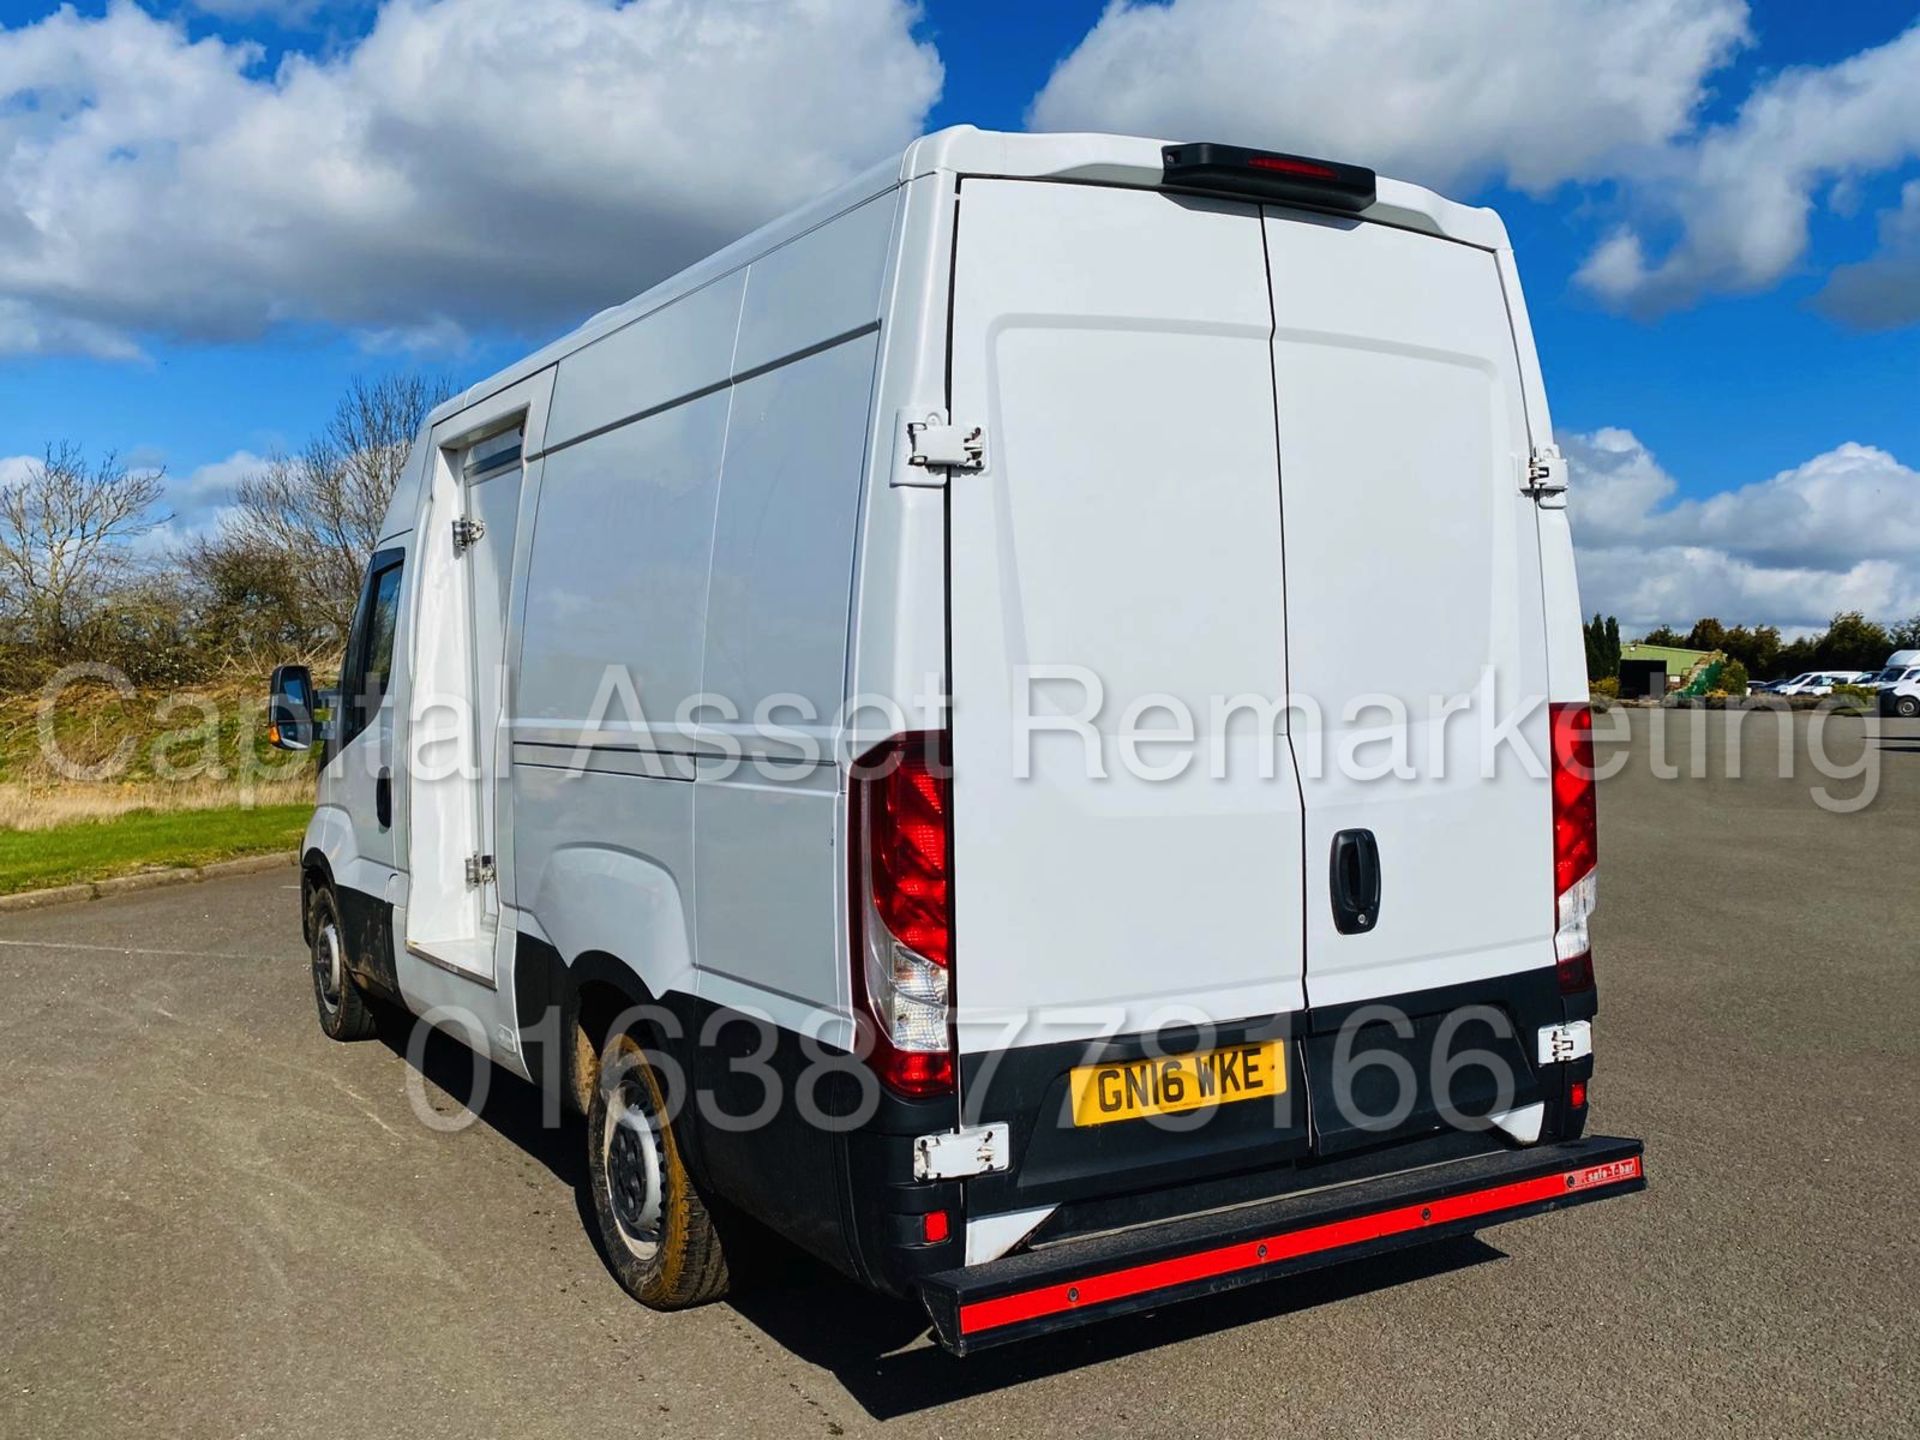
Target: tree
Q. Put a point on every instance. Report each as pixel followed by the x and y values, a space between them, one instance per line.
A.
pixel 1757 649
pixel 1733 678
pixel 1906 636
pixel 315 517
pixel 1613 647
pixel 1707 634
pixel 248 606
pixel 1664 635
pixel 1852 642
pixel 1595 634
pixel 65 532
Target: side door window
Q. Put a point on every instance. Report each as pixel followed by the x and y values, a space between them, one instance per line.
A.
pixel 369 659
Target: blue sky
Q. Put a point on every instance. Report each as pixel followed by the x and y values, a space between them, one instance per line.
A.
pixel 1693 350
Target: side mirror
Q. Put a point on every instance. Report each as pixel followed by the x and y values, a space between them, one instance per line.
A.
pixel 290 708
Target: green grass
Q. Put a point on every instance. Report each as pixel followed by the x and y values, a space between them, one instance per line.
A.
pixel 100 849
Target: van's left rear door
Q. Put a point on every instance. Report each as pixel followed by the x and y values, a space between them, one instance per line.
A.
pixel 1119 562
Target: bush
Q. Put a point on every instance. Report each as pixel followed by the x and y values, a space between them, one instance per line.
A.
pixel 1733 678
pixel 1852 696
pixel 1606 687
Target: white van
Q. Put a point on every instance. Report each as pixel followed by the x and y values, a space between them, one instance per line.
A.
pixel 889 724
pixel 1902 665
pixel 1899 685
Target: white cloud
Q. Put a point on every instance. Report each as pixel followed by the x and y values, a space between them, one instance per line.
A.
pixel 432 335
pixel 1737 198
pixel 1840 532
pixel 1450 95
pixel 1882 293
pixel 214 482
pixel 467 162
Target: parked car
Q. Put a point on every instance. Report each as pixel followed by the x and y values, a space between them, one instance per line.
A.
pixel 1793 684
pixel 1035 1046
pixel 1820 682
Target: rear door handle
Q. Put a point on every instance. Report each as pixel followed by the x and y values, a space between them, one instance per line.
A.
pixel 1355 881
pixel 383 799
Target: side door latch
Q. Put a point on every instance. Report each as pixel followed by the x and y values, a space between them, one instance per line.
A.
pixel 479 870
pixel 466 533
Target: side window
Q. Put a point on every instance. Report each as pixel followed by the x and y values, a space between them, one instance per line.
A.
pixel 369 658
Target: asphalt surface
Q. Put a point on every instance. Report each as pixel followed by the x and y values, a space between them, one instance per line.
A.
pixel 213 1221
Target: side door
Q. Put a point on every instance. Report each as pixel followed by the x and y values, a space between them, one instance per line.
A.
pixel 358 773
pixel 492 474
pixel 1416 633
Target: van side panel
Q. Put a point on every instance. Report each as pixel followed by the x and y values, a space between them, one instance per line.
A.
pixel 782 566
pixel 820 286
pixel 1560 585
pixel 671 354
pixel 618 575
pixel 769 871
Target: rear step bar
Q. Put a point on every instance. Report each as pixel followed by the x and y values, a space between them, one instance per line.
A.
pixel 1076 1281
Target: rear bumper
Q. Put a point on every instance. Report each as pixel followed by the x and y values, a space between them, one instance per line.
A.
pixel 1071 1283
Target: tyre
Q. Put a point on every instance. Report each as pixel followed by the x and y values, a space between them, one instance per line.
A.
pixel 345 1012
pixel 1906 706
pixel 659 1235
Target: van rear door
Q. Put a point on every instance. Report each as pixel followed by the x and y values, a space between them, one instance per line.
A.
pixel 1118 561
pixel 1413 590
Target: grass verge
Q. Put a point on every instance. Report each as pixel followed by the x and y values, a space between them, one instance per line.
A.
pixel 144 839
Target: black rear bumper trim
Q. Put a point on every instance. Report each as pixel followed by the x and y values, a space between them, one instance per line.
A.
pixel 1074 1282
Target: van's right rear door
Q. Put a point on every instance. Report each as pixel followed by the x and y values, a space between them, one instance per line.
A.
pixel 1416 638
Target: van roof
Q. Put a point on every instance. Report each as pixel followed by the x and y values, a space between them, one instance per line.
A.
pixel 966 150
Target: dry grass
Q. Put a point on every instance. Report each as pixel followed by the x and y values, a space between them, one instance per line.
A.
pixel 42 806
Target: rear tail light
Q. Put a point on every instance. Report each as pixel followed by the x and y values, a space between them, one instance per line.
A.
pixel 1576 844
pixel 902 911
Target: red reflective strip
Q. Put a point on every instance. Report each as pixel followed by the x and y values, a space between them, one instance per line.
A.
pixel 1288 1245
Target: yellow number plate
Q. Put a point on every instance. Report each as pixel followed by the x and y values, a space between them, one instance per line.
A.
pixel 1127 1090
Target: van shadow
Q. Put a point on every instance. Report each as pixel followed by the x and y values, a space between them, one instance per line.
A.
pixel 881 1353
pixel 513 1107
pixel 879 1349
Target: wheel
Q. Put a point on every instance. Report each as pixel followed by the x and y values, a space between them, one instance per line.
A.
pixel 1906 706
pixel 345 1013
pixel 659 1235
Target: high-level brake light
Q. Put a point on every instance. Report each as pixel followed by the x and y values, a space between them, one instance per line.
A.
pixel 1576 843
pixel 902 911
pixel 1267 175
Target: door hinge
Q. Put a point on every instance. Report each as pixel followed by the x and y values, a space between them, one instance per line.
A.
pixel 1560 1043
pixel 960 1153
pixel 1546 476
pixel 479 870
pixel 936 444
pixel 466 533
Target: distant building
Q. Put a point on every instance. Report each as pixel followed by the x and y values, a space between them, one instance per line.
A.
pixel 1650 671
